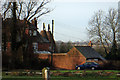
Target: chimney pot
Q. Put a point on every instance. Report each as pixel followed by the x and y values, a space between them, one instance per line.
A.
pixel 52 26
pixel 48 27
pixel 35 22
pixel 90 44
pixel 43 26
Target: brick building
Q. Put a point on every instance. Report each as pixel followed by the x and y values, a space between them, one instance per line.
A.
pixel 26 34
pixel 49 36
pixel 76 56
pixel 28 38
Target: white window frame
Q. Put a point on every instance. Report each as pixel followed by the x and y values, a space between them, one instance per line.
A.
pixel 34 33
pixel 30 32
pixel 95 59
pixel 35 47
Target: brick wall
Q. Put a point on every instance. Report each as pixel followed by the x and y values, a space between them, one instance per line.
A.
pixel 65 60
pixel 75 58
pixel 44 56
pixel 43 46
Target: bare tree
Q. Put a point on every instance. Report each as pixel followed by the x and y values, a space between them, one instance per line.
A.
pixel 104 29
pixel 29 9
pixel 96 30
pixel 111 22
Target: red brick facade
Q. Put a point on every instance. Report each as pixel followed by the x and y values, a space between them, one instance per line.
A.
pixel 65 60
pixel 68 60
pixel 43 46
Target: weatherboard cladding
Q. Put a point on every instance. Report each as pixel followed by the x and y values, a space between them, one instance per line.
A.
pixel 89 52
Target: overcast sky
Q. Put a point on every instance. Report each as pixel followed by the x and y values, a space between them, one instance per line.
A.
pixel 71 17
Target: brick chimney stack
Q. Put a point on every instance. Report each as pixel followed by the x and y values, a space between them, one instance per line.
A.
pixel 43 26
pixel 34 22
pixel 90 44
pixel 52 26
pixel 48 27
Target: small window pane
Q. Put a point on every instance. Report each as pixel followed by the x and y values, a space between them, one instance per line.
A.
pixel 35 47
pixel 34 33
pixel 30 32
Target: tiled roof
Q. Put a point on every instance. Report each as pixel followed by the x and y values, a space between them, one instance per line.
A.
pixel 60 54
pixel 44 34
pixel 39 38
pixel 47 35
pixel 89 52
pixel 24 23
pixel 50 37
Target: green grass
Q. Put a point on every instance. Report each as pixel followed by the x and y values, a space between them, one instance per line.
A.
pixel 85 70
pixel 61 78
pixel 89 75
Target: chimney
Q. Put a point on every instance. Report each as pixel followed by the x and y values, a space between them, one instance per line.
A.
pixel 52 26
pixel 48 27
pixel 43 26
pixel 32 22
pixel 90 44
pixel 35 22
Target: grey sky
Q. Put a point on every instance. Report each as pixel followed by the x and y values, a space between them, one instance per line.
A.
pixel 71 18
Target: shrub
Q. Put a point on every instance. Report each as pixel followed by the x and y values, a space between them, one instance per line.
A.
pixel 111 65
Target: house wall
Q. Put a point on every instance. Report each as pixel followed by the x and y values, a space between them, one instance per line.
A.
pixel 43 46
pixel 44 56
pixel 60 61
pixel 75 58
pixel 65 60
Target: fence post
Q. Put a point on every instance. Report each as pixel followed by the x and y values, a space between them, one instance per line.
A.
pixel 46 73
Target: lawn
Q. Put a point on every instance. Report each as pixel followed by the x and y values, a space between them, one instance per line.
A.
pixel 60 78
pixel 69 75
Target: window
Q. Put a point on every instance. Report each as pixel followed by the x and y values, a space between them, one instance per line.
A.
pixel 34 33
pixel 27 31
pixel 96 59
pixel 35 47
pixel 30 32
pixel 3 42
pixel 18 38
pixel 8 46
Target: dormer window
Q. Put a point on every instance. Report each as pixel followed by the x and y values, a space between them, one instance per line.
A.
pixel 34 33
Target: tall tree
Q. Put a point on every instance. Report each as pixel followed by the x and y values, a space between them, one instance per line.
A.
pixel 28 9
pixel 68 45
pixel 104 29
pixel 63 48
pixel 13 28
pixel 96 30
pixel 111 22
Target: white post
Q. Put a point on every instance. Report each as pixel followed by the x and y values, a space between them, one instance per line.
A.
pixel 45 73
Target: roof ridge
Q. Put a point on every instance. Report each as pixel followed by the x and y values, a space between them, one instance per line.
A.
pixel 82 46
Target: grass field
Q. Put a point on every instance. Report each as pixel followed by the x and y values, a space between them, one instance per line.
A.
pixel 69 75
pixel 60 78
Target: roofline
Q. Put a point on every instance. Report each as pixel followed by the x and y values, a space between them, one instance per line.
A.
pixel 60 54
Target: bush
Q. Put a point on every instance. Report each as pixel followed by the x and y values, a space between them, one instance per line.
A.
pixel 39 63
pixel 112 65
